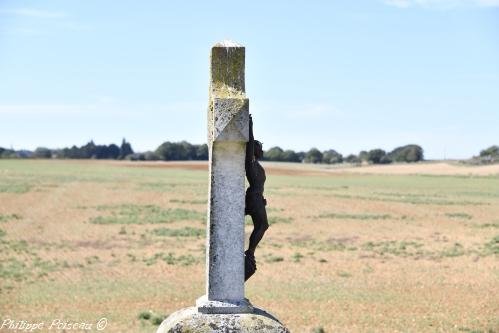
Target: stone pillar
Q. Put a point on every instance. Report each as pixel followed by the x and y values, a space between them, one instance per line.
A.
pixel 224 309
pixel 228 133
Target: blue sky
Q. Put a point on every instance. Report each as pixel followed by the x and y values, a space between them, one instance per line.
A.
pixel 348 75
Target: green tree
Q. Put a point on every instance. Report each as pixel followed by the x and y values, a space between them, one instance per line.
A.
pixel 176 151
pixel 112 151
pixel 274 154
pixel 491 151
pixel 375 155
pixel 313 156
pixel 331 156
pixel 125 149
pixel 150 156
pixel 363 156
pixel 202 152
pixel 42 152
pixel 352 159
pixel 290 156
pixel 408 153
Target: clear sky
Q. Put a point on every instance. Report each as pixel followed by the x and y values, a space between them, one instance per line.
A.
pixel 347 75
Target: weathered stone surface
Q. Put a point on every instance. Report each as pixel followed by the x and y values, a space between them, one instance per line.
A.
pixel 190 321
pixel 228 132
pixel 238 306
pixel 227 68
pixel 225 266
pixel 231 118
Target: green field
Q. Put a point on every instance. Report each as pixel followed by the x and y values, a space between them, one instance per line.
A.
pixel 82 240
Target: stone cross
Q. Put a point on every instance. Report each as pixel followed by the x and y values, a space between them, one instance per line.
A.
pixel 224 308
pixel 228 132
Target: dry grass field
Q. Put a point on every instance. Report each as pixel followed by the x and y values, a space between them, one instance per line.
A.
pixel 410 248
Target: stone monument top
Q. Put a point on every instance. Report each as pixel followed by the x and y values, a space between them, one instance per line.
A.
pixel 227 70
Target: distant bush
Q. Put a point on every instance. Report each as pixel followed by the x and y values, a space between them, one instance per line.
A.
pixel 202 152
pixel 280 155
pixel 408 153
pixel 124 150
pixel 91 150
pixel 7 153
pixel 291 156
pixel 363 156
pixel 274 154
pixel 352 159
pixel 491 151
pixel 150 156
pixel 331 156
pixel 385 160
pixel 487 156
pixel 377 156
pixel 147 156
pixel 313 156
pixel 181 151
pixel 41 152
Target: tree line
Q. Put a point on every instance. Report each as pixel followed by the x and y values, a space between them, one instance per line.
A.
pixel 87 151
pixel 183 150
pixel 486 156
pixel 408 153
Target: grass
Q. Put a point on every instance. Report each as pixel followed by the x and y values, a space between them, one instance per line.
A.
pixel 463 216
pixel 355 216
pixel 318 330
pixel 344 274
pixel 279 219
pixel 492 246
pixel 182 232
pixel 270 258
pixel 395 248
pixel 488 225
pixel 455 250
pixel 297 256
pixel 272 219
pixel 144 214
pixel 15 187
pixel 171 259
pixel 189 202
pixel 330 244
pixel 11 217
pixel 413 200
pixel 152 317
pixel 13 269
pixel 30 269
pixel 97 238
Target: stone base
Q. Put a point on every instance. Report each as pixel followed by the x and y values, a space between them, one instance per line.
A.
pixel 223 307
pixel 190 320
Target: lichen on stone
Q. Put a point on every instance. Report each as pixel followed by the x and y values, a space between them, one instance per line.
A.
pixel 227 71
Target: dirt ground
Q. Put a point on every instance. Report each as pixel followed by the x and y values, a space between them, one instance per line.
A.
pixel 414 248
